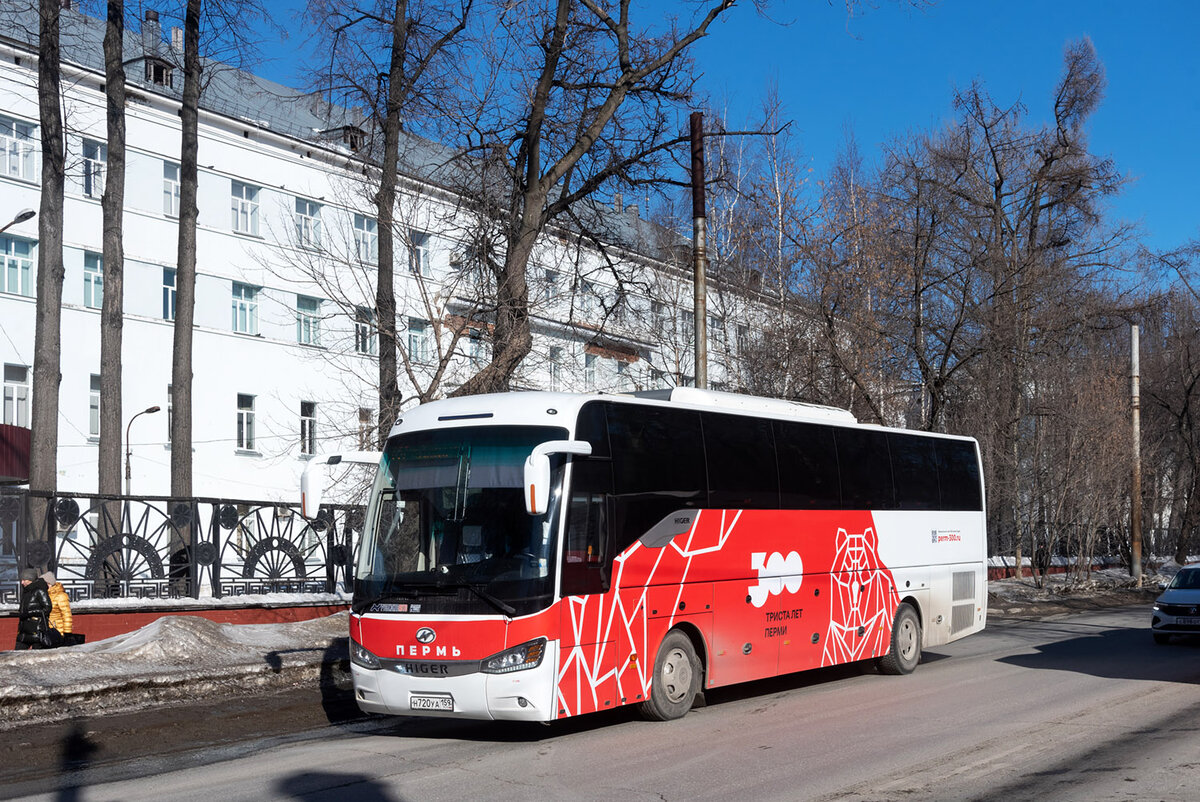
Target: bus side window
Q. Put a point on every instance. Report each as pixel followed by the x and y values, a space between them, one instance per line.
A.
pixel 958 474
pixel 808 466
pixel 658 466
pixel 915 471
pixel 865 465
pixel 740 453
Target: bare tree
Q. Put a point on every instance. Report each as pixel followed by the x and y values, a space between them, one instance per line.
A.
pixel 112 203
pixel 43 467
pixel 185 265
pixel 417 37
pixel 591 105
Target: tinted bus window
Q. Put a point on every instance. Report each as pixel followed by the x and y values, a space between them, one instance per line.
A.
pixel 808 467
pixel 741 462
pixel 865 468
pixel 958 472
pixel 914 471
pixel 658 465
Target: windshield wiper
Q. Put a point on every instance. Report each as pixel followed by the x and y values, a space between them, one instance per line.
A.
pixel 499 604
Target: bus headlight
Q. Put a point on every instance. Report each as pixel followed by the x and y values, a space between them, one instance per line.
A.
pixel 518 658
pixel 361 657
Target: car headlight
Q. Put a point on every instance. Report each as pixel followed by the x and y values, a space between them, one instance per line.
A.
pixel 361 657
pixel 518 658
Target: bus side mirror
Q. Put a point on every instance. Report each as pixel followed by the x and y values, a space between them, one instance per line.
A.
pixel 537 471
pixel 312 480
pixel 312 487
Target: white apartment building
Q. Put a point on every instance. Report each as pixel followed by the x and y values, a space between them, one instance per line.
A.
pixel 285 349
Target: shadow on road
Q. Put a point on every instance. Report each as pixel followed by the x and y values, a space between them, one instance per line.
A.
pixel 1118 654
pixel 75 756
pixel 314 786
pixel 334 680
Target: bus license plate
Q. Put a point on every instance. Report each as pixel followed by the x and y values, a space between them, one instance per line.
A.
pixel 1187 622
pixel 445 703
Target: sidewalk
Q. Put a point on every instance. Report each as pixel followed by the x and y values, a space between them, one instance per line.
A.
pixel 174 658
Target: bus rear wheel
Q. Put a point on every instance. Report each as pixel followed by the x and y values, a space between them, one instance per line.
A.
pixel 905 652
pixel 676 679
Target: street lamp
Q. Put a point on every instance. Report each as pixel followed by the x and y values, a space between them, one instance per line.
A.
pixel 22 216
pixel 128 474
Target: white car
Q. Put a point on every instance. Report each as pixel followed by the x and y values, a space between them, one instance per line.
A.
pixel 1177 610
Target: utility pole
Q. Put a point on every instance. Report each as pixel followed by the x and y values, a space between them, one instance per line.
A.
pixel 699 252
pixel 1135 527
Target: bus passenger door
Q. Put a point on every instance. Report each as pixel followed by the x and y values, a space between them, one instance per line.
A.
pixel 587 636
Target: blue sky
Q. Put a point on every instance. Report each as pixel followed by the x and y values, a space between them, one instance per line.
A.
pixel 892 69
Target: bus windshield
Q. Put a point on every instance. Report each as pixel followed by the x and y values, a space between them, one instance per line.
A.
pixel 446 528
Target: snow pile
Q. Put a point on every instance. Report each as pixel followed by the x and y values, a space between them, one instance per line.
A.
pixel 171 658
pixel 1106 587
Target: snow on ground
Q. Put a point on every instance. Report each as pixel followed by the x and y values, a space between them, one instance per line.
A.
pixel 1061 592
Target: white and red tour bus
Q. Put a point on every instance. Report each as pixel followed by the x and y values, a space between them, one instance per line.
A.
pixel 535 555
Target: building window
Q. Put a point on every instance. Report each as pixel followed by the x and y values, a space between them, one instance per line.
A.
pixel 308 428
pixel 16 395
pixel 743 338
pixel 16 266
pixel 418 340
pixel 18 149
pixel 366 431
pixel 168 294
pixel 245 422
pixel 418 255
pixel 308 224
pixel 245 308
pixel 170 189
pixel 244 206
pixel 624 376
pixel 477 348
pixel 95 157
pixel 308 320
pixel 158 72
pixel 589 371
pixel 93 280
pixel 366 239
pixel 551 285
pixel 555 368
pixel 589 302
pixel 660 320
pixel 364 331
pixel 94 407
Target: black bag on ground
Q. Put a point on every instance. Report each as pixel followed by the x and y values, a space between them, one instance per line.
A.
pixel 73 639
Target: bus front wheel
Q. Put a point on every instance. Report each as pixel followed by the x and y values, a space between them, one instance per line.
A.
pixel 676 679
pixel 905 652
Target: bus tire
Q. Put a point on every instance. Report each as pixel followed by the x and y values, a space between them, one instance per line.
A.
pixel 905 651
pixel 676 679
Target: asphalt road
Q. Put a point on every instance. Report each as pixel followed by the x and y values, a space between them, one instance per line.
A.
pixel 1084 707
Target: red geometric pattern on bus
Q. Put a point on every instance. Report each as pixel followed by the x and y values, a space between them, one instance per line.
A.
pixel 609 641
pixel 863 599
pixel 617 623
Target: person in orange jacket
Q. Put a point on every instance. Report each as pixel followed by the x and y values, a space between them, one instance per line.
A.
pixel 60 614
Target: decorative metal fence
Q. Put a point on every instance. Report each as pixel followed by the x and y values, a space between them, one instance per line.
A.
pixel 103 547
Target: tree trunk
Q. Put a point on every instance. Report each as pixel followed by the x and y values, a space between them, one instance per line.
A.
pixel 43 463
pixel 185 268
pixel 385 289
pixel 112 204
